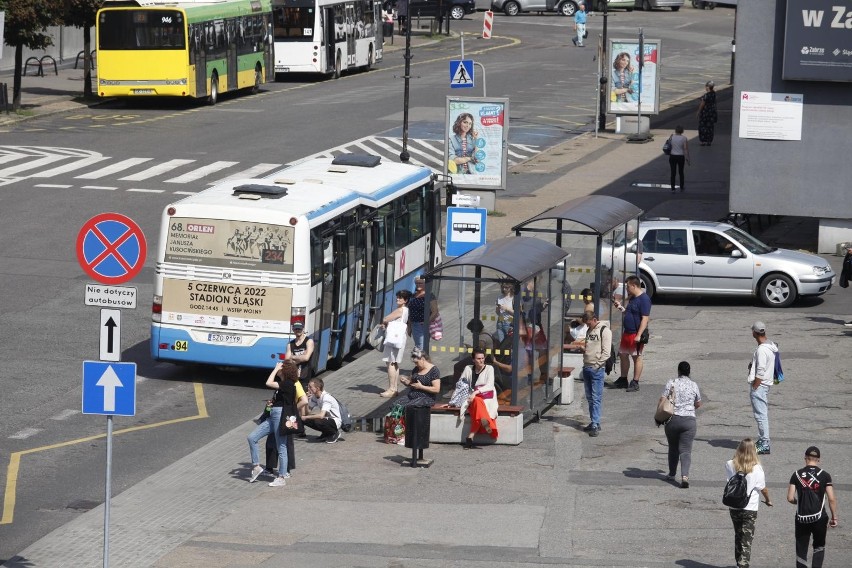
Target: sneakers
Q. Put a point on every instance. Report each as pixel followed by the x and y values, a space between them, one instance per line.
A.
pixel 286 475
pixel 278 482
pixel 848 324
pixel 620 383
pixel 323 438
pixel 590 427
pixel 574 41
pixel 333 438
pixel 634 386
pixel 256 471
pixel 762 450
pixel 269 472
pixel 594 432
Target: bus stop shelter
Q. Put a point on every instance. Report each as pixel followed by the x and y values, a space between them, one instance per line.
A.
pixel 506 294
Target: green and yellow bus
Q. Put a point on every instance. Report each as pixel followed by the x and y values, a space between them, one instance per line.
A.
pixel 183 49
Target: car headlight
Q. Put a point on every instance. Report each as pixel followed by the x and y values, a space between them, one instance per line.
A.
pixel 821 270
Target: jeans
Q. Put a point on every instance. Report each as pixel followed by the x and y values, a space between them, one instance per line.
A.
pixel 803 537
pixel 680 432
pixel 581 31
pixel 502 332
pixel 593 381
pixel 263 429
pixel 418 333
pixel 760 408
pixel 677 162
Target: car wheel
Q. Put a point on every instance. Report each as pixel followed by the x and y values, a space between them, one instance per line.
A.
pixel 675 8
pixel 646 5
pixel 512 9
pixel 647 284
pixel 457 12
pixel 698 4
pixel 568 8
pixel 214 89
pixel 778 291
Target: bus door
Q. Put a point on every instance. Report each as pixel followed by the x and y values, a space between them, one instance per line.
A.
pixel 345 288
pixel 365 268
pixel 323 336
pixel 199 57
pixel 351 25
pixel 330 35
pixel 377 270
pixel 231 43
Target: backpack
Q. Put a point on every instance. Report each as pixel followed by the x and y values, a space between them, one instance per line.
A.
pixel 779 372
pixel 610 363
pixel 736 494
pixel 809 507
pixel 345 417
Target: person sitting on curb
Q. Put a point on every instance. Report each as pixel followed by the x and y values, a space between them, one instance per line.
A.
pixel 323 412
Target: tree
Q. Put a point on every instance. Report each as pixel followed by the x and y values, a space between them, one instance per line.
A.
pixel 26 26
pixel 82 14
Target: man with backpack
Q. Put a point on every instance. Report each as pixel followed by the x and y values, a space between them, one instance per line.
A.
pixel 809 488
pixel 324 413
pixel 761 375
pixel 595 355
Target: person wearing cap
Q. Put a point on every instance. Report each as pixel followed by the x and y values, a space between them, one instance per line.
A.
pixel 761 375
pixel 707 115
pixel 300 350
pixel 809 488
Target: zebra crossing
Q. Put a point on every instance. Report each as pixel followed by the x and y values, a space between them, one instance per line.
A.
pixel 81 169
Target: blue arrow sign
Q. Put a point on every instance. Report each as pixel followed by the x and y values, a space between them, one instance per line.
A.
pixel 461 73
pixel 109 388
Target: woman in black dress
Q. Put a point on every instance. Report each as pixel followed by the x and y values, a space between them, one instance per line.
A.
pixel 707 115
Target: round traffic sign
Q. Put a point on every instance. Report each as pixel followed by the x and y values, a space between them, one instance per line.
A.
pixel 111 248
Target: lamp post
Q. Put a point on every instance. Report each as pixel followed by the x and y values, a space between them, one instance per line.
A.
pixel 604 71
pixel 404 156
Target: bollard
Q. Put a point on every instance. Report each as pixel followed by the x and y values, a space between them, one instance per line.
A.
pixel 4 97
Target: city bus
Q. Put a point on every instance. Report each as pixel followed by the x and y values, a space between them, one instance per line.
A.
pixel 326 36
pixel 199 49
pixel 327 243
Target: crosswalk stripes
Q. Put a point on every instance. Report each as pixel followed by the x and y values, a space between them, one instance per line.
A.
pixel 18 163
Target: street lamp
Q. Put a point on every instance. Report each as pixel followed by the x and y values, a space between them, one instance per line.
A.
pixel 404 156
pixel 604 71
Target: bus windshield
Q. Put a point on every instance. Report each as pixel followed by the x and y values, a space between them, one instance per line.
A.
pixel 293 23
pixel 141 29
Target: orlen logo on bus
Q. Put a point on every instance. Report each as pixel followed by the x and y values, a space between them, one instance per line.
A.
pixel 193 228
pixel 167 19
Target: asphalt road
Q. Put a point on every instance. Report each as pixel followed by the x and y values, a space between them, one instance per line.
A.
pixel 48 331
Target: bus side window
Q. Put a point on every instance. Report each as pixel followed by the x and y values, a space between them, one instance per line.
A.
pixel 316 259
pixel 415 215
pixel 401 224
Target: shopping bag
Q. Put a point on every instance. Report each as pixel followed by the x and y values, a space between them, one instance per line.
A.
pixel 436 329
pixel 395 425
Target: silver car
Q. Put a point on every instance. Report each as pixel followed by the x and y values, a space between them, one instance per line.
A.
pixel 653 4
pixel 515 7
pixel 698 257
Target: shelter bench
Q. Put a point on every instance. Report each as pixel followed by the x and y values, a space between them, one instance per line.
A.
pixel 446 428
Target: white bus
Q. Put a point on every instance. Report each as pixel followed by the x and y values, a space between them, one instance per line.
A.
pixel 326 36
pixel 326 242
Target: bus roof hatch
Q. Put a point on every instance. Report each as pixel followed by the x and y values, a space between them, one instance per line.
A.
pixel 360 160
pixel 260 191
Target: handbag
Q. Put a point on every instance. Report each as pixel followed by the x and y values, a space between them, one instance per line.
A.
pixel 395 425
pixel 461 394
pixel 436 328
pixel 395 333
pixel 289 425
pixel 377 337
pixel 667 147
pixel 665 408
pixel 645 337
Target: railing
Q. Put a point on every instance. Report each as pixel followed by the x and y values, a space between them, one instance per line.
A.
pixel 39 64
pixel 82 55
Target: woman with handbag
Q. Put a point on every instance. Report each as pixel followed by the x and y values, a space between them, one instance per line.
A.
pixel 396 334
pixel 681 428
pixel 482 403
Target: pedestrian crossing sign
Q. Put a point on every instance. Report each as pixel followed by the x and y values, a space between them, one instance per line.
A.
pixel 461 73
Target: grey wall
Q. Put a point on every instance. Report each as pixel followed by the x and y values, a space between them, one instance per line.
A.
pixel 67 43
pixel 811 177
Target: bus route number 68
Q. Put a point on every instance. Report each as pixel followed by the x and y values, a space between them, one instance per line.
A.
pixel 181 345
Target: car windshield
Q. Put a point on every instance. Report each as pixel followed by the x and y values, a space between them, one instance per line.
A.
pixel 754 246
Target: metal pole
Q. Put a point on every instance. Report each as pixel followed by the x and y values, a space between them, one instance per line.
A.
pixel 602 81
pixel 641 65
pixel 107 490
pixel 404 156
pixel 484 90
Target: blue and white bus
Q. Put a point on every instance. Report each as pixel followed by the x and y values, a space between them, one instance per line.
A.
pixel 327 242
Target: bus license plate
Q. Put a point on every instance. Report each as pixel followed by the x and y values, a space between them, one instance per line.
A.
pixel 143 91
pixel 282 69
pixel 224 338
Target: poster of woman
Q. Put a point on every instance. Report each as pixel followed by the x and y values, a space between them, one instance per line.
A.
pixel 624 88
pixel 477 130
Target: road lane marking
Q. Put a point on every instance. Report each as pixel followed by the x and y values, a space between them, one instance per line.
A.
pixel 65 414
pixel 201 172
pixel 25 433
pixel 10 493
pixel 157 170
pixel 140 190
pixel 252 172
pixel 104 187
pixel 53 185
pixel 117 167
pixel 79 164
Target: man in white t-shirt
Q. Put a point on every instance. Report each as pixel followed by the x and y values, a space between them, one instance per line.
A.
pixel 761 374
pixel 323 412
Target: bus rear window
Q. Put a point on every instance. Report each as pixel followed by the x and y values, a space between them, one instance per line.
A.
pixel 141 29
pixel 293 23
pixel 230 244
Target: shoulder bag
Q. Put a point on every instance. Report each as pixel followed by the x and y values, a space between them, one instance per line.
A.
pixel 665 408
pixel 395 333
pixel 667 147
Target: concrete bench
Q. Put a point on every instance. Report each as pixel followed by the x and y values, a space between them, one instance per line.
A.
pixel 447 428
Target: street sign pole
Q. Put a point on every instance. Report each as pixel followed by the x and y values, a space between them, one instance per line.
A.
pixel 108 484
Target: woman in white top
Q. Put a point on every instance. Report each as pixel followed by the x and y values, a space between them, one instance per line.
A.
pixel 746 461
pixel 681 428
pixel 678 155
pixel 392 353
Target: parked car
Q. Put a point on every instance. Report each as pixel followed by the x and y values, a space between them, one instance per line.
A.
pixel 457 9
pixel 515 7
pixel 654 4
pixel 710 258
pixel 598 5
pixel 705 5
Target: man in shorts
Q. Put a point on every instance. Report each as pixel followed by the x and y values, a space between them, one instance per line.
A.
pixel 636 315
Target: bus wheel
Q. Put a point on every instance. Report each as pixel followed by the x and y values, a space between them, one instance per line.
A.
pixel 336 74
pixel 370 58
pixel 214 89
pixel 258 77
